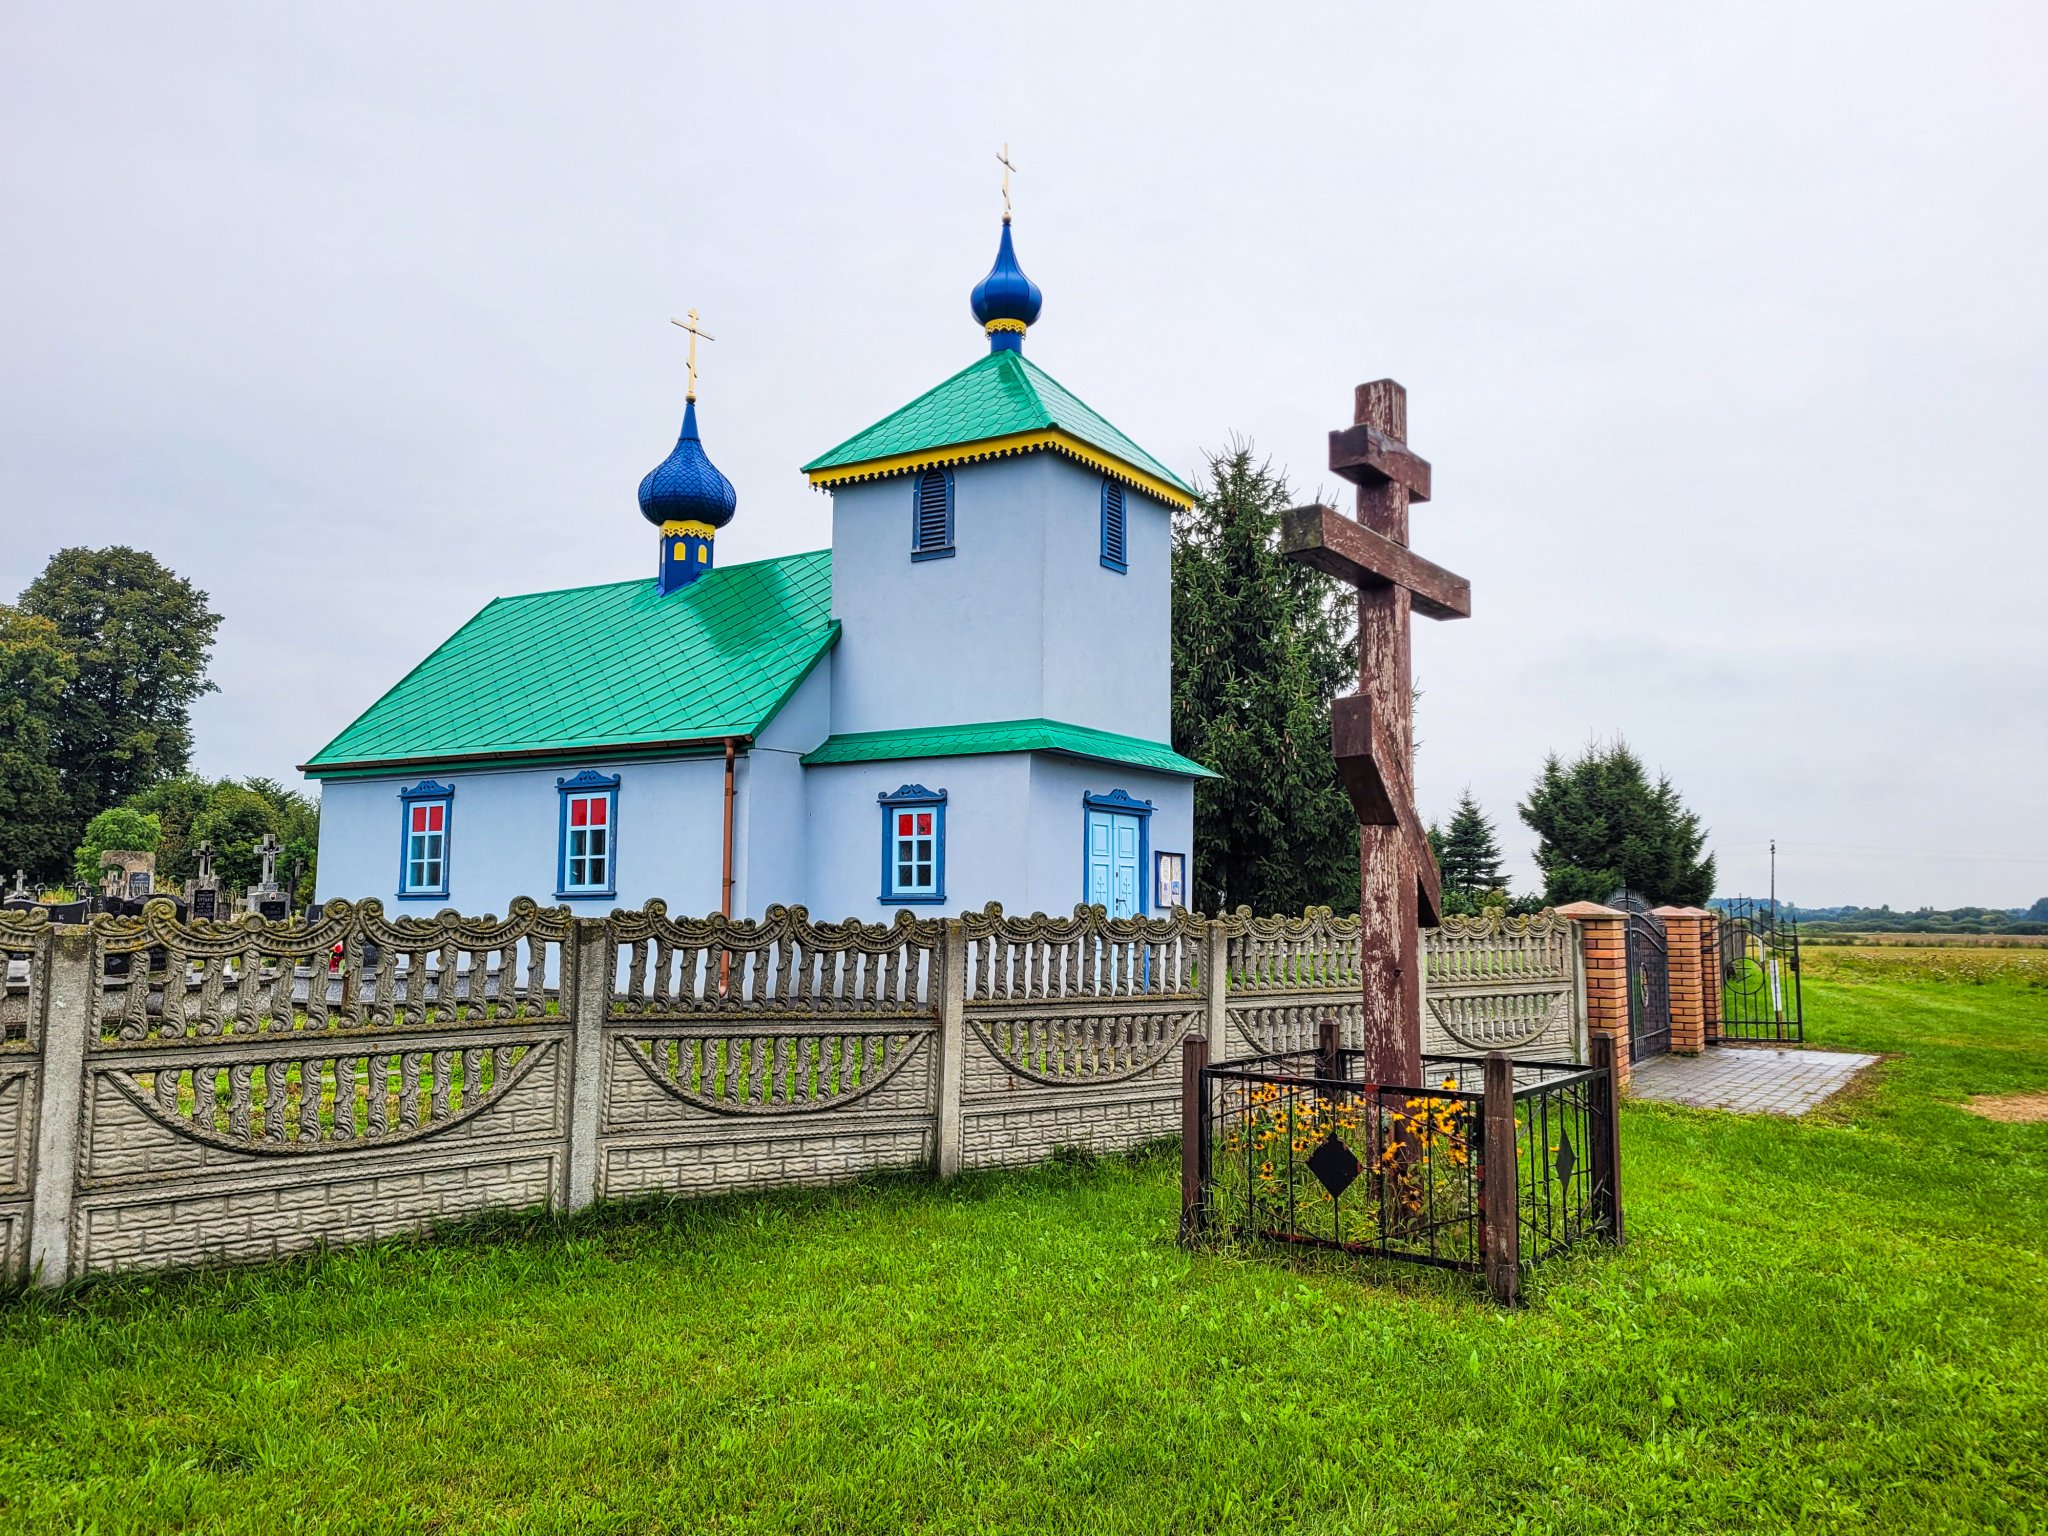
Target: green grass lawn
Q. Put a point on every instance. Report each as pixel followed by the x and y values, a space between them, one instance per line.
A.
pixel 1833 1324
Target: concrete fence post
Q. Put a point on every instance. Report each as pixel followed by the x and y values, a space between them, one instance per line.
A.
pixel 64 1025
pixel 1216 990
pixel 587 998
pixel 952 1043
pixel 1603 961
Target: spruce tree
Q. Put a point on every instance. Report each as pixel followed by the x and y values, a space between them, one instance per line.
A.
pixel 1468 856
pixel 1260 646
pixel 1601 824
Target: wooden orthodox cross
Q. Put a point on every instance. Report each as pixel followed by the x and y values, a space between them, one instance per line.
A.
pixel 1372 731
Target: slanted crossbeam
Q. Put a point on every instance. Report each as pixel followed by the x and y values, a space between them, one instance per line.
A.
pixel 1370 768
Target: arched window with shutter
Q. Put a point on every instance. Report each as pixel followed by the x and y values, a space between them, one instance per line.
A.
pixel 931 531
pixel 1113 526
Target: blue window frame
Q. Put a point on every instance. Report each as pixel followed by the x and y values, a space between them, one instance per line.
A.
pixel 914 845
pixel 1115 852
pixel 426 821
pixel 931 515
pixel 586 863
pixel 1113 526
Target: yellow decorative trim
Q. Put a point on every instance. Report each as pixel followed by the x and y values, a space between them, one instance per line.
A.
pixel 1003 447
pixel 1006 325
pixel 676 525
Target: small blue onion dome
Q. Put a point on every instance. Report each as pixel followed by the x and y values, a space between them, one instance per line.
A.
pixel 686 486
pixel 1006 300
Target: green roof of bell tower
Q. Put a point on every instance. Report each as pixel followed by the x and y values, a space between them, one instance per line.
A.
pixel 998 405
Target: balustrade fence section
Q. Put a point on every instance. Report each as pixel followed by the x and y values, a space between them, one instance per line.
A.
pixel 174 1092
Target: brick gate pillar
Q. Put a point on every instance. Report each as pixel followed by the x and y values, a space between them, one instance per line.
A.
pixel 1685 975
pixel 1710 971
pixel 1603 959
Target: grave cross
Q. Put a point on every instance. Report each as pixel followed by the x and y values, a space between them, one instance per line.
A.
pixel 20 883
pixel 269 848
pixel 205 854
pixel 1372 732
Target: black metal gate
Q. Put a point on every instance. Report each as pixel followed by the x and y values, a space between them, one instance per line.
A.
pixel 1649 977
pixel 1759 973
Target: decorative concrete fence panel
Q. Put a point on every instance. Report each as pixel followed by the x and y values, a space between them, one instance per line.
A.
pixel 23 961
pixel 176 1092
pixel 742 1055
pixel 256 1089
pixel 1073 1031
pixel 1499 983
pixel 1285 976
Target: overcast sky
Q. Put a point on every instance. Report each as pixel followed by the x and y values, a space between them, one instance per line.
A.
pixel 1723 326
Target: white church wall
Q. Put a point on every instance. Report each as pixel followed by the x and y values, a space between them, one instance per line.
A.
pixel 1058 825
pixel 1108 634
pixel 955 641
pixel 988 821
pixel 772 859
pixel 504 837
pixel 1015 826
pixel 1022 622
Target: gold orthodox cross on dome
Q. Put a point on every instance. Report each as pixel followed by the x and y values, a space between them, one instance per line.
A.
pixel 695 331
pixel 1003 159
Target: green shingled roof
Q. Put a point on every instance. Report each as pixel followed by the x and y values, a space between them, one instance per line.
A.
pixel 1002 395
pixel 603 667
pixel 1006 736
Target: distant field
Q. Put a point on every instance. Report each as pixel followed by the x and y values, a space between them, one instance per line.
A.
pixel 1934 940
pixel 1970 964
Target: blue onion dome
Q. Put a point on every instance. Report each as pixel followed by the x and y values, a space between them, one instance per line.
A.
pixel 1006 300
pixel 686 486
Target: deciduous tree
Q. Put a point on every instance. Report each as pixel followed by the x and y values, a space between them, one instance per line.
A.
pixel 116 827
pixel 139 636
pixel 35 669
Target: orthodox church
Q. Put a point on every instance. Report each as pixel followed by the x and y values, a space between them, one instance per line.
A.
pixel 963 700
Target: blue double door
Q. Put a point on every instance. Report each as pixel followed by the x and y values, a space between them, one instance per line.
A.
pixel 1116 858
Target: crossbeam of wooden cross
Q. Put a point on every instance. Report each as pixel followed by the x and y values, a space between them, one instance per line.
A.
pixel 1372 731
pixel 1371 770
pixel 1337 545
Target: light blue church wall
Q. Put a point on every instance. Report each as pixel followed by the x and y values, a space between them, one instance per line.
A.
pixel 505 829
pixel 1014 829
pixel 504 837
pixel 1022 622
pixel 771 862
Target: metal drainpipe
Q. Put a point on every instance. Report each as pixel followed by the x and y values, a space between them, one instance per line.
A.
pixel 725 897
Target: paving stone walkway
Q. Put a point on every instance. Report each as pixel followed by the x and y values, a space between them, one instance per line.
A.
pixel 1751 1080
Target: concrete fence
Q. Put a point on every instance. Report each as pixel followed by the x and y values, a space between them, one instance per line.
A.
pixel 173 1092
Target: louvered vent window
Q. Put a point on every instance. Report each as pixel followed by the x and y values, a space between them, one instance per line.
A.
pixel 1113 525
pixel 932 535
